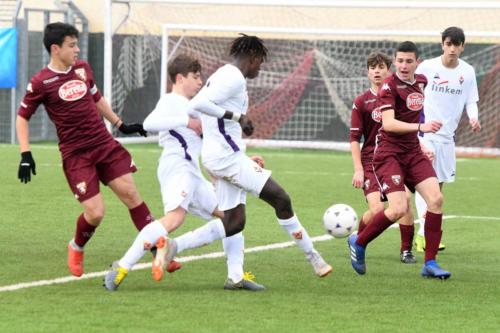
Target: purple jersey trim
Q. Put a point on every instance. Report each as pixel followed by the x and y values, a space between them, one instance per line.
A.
pixel 226 136
pixel 182 142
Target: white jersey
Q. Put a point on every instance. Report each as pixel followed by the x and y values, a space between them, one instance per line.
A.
pixel 170 118
pixel 447 93
pixel 226 88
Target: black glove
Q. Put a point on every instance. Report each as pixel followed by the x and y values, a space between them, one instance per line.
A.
pixel 26 166
pixel 132 128
pixel 246 125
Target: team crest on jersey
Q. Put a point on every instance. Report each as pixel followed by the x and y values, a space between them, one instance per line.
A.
pixel 377 115
pixel 367 184
pixel 82 187
pixel 81 74
pixel 72 90
pixel 415 101
pixel 396 179
pixel 461 79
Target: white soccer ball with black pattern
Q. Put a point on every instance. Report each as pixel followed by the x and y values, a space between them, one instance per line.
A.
pixel 340 220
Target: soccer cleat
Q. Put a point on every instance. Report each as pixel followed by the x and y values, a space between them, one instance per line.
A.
pixel 420 244
pixel 167 249
pixel 431 269
pixel 320 267
pixel 247 283
pixel 75 261
pixel 357 255
pixel 407 257
pixel 114 277
pixel 173 266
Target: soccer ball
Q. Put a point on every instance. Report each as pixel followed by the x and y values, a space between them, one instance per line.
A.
pixel 340 220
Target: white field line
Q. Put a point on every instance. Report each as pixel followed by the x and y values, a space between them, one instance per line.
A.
pixel 212 255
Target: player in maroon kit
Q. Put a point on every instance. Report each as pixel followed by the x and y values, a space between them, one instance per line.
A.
pixel 398 161
pixel 90 154
pixel 366 120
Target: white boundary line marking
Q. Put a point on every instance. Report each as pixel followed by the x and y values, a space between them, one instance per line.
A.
pixel 212 255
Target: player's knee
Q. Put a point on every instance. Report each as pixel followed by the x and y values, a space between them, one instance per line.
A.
pixel 436 202
pixel 94 216
pixel 234 225
pixel 397 211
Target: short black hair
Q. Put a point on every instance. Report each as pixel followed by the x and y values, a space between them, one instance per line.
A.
pixel 183 64
pixel 375 58
pixel 54 33
pixel 456 34
pixel 248 47
pixel 407 46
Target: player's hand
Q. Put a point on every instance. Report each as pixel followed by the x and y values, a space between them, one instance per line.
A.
pixel 431 126
pixel 195 125
pixel 132 128
pixel 258 159
pixel 427 152
pixel 26 166
pixel 357 179
pixel 246 125
pixel 475 125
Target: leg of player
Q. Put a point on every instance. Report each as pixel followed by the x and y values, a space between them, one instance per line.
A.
pixel 275 195
pixel 88 221
pixel 153 234
pixel 421 210
pixel 124 187
pixel 381 221
pixel 430 191
pixel 407 231
pixel 374 206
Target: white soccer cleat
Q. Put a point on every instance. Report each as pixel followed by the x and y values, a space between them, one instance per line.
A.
pixel 321 268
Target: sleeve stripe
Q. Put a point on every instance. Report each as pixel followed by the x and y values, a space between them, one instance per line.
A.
pixel 354 128
pixel 93 90
pixel 24 105
pixel 385 106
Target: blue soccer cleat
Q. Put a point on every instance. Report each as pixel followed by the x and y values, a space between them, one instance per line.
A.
pixel 357 255
pixel 431 269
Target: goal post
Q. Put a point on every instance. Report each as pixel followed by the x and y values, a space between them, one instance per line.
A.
pixel 303 95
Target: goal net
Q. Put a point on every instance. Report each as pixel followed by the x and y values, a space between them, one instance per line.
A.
pixel 304 92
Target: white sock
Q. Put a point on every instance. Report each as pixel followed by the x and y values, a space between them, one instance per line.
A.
pixel 298 233
pixel 146 239
pixel 204 235
pixel 234 247
pixel 421 210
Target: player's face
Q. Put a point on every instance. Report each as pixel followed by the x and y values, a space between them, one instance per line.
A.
pixel 406 64
pixel 450 51
pixel 67 53
pixel 192 84
pixel 254 67
pixel 378 73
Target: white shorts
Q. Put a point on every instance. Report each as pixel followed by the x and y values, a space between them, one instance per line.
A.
pixel 183 185
pixel 445 161
pixel 236 178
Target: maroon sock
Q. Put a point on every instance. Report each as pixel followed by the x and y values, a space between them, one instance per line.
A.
pixel 377 225
pixel 84 231
pixel 407 232
pixel 141 216
pixel 362 226
pixel 433 234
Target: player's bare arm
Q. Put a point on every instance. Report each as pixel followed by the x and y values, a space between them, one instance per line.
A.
pixel 391 124
pixel 358 176
pixel 106 111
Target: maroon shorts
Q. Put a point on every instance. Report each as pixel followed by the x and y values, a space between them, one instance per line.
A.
pixel 395 170
pixel 84 169
pixel 370 184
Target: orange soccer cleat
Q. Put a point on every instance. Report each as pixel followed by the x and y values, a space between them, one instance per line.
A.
pixel 75 261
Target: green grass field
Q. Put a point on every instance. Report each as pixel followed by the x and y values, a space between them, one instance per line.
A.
pixel 38 219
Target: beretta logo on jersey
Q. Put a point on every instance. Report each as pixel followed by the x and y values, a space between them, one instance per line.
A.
pixel 415 101
pixel 377 115
pixel 72 90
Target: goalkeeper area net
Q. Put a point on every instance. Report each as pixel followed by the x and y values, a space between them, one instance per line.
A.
pixel 304 93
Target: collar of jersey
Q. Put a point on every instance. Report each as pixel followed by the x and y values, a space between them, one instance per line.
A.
pixel 60 72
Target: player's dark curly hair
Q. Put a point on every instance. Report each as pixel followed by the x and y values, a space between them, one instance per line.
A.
pixel 54 33
pixel 248 46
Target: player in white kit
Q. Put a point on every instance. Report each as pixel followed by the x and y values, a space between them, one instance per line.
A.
pixel 223 103
pixel 451 88
pixel 183 187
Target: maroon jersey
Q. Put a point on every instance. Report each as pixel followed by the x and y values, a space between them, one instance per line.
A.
pixel 366 120
pixel 407 101
pixel 69 99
